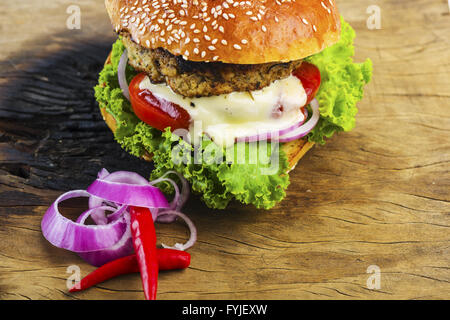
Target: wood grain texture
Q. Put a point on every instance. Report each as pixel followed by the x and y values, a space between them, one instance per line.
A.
pixel 378 195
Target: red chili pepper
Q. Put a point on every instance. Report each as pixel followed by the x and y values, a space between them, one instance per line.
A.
pixel 144 242
pixel 168 259
pixel 171 259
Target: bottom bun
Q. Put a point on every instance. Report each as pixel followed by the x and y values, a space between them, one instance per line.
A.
pixel 294 150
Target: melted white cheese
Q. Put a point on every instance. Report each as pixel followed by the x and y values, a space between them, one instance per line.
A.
pixel 239 114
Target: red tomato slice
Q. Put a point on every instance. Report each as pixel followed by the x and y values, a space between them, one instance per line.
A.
pixel 156 112
pixel 309 75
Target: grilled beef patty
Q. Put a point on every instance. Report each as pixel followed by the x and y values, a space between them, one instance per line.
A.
pixel 201 79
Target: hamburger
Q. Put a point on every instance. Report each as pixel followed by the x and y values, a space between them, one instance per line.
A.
pixel 230 94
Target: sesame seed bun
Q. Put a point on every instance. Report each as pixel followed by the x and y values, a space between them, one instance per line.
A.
pixel 230 31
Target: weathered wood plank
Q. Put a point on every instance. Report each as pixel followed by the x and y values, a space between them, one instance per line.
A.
pixel 376 196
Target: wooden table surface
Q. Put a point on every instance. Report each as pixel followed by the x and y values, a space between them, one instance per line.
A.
pixel 378 195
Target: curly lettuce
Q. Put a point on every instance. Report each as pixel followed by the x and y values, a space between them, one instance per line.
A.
pixel 341 88
pixel 257 182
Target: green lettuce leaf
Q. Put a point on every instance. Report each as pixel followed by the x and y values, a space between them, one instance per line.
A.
pixel 341 88
pixel 221 178
pixel 218 180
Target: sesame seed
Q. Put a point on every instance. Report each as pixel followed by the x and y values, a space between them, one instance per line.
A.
pixel 166 21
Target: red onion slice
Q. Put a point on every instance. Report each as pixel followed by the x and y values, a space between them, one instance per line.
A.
pixel 99 216
pixel 121 72
pixel 276 133
pixel 145 196
pixel 179 199
pixel 122 248
pixel 306 128
pixel 103 173
pixel 192 229
pixel 125 177
pixel 66 234
pixel 83 217
pixel 174 202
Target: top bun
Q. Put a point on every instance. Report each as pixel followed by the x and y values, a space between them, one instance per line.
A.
pixel 230 31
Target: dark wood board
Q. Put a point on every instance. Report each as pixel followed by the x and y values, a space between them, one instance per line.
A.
pixel 378 195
